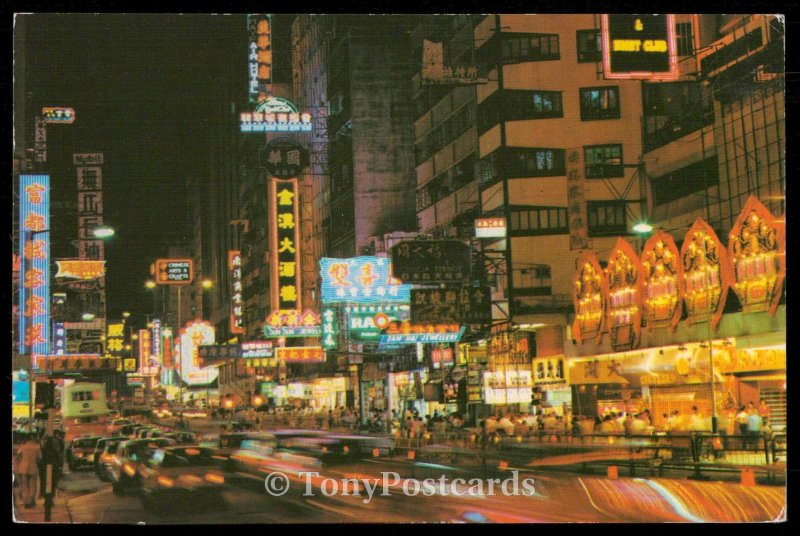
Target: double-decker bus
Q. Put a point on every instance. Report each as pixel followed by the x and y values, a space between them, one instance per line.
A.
pixel 84 409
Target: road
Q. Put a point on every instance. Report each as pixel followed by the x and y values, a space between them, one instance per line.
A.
pixel 557 498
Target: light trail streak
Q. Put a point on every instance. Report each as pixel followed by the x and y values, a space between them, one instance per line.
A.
pixel 679 508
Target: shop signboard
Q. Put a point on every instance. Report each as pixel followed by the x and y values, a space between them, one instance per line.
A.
pixel 363 279
pixel 706 274
pixel 237 303
pixel 365 322
pixel 115 338
pixel 490 227
pixel 174 271
pixel 509 348
pixel 750 360
pixel 548 370
pixel 80 269
pixel 408 333
pixel 293 323
pixel 285 249
pixel 59 115
pixel 77 363
pixel 214 353
pixel 588 293
pixel 330 328
pixel 639 47
pixel 256 349
pixel 431 261
pixel 275 114
pixel 623 293
pixel 595 371
pixel 662 281
pixel 283 157
pixel 300 354
pixel 576 200
pixel 757 248
pixel 259 58
pixel 467 305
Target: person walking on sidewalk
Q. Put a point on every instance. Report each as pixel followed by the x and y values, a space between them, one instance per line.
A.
pixel 52 454
pixel 28 456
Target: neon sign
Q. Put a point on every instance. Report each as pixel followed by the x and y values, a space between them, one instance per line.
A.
pixel 662 274
pixel 259 58
pixel 639 47
pixel 115 339
pixel 34 288
pixel 758 253
pixel 275 114
pixel 81 269
pixel 59 338
pixel 490 228
pixel 624 290
pixel 174 271
pixel 285 283
pixel 291 323
pixel 194 335
pixel 706 274
pixel 407 333
pixel 361 280
pixel 237 304
pixel 58 115
pixel 301 354
pixel 589 287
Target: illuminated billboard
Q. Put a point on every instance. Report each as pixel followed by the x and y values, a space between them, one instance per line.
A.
pixel 365 322
pixel 407 333
pixel 284 246
pixel 361 280
pixel 275 114
pixel 301 354
pixel 259 57
pixel 292 323
pixel 490 228
pixel 174 271
pixel 34 288
pixel 58 115
pixel 192 336
pixel 237 304
pixel 639 47
pixel 81 269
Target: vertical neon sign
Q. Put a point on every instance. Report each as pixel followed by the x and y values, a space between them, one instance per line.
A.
pixel 259 57
pixel 34 288
pixel 237 308
pixel 284 247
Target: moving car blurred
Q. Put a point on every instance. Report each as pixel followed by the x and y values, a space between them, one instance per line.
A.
pixel 81 452
pixel 123 471
pixel 182 438
pixel 101 450
pixel 177 473
pixel 116 425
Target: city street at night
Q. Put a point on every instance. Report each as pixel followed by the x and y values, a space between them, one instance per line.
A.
pixel 275 268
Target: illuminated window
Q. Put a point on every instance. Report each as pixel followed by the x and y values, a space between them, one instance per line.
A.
pixel 603 161
pixel 600 103
pixel 589 48
pixel 532 47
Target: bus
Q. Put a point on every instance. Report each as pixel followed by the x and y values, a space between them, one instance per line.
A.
pixel 84 409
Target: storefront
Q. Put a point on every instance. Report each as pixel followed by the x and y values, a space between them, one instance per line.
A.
pixel 550 383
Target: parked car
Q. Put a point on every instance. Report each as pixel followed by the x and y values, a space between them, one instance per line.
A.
pixel 116 425
pixel 180 473
pixel 123 471
pixel 81 452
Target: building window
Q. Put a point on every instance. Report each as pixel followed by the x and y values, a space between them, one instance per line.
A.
pixel 539 220
pixel 547 104
pixel 541 162
pixel 535 47
pixel 606 218
pixel 589 48
pixel 683 37
pixel 603 161
pixel 685 181
pixel 518 105
pixel 600 103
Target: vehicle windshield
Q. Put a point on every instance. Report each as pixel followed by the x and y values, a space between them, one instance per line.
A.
pixel 86 443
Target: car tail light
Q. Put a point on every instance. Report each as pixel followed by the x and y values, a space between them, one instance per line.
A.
pixel 166 481
pixel 129 470
pixel 215 478
pixel 191 479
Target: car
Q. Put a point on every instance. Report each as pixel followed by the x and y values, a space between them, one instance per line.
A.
pixel 81 452
pixel 104 454
pixel 180 473
pixel 185 438
pixel 163 412
pixel 147 432
pixel 123 470
pixel 116 425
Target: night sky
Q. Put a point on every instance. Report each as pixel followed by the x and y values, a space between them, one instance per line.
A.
pixel 142 86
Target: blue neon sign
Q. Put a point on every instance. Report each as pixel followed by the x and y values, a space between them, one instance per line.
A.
pixel 34 288
pixel 361 280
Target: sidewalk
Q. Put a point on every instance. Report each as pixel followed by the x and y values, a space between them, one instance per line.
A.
pixel 59 514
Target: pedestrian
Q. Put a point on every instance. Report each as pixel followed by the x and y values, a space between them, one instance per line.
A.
pixel 754 424
pixel 29 455
pixel 52 454
pixel 741 421
pixel 763 409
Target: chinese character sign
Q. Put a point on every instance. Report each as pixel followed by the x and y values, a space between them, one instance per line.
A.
pixel 115 339
pixel 624 289
pixel 361 280
pixel 192 336
pixel 259 57
pixel 34 289
pixel 237 303
pixel 576 200
pixel 301 354
pixel 275 114
pixel 156 344
pixel 284 245
pixel 283 157
pixel 431 261
pixel 59 338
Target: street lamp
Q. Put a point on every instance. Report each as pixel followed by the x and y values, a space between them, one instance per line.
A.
pixel 206 284
pixel 150 284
